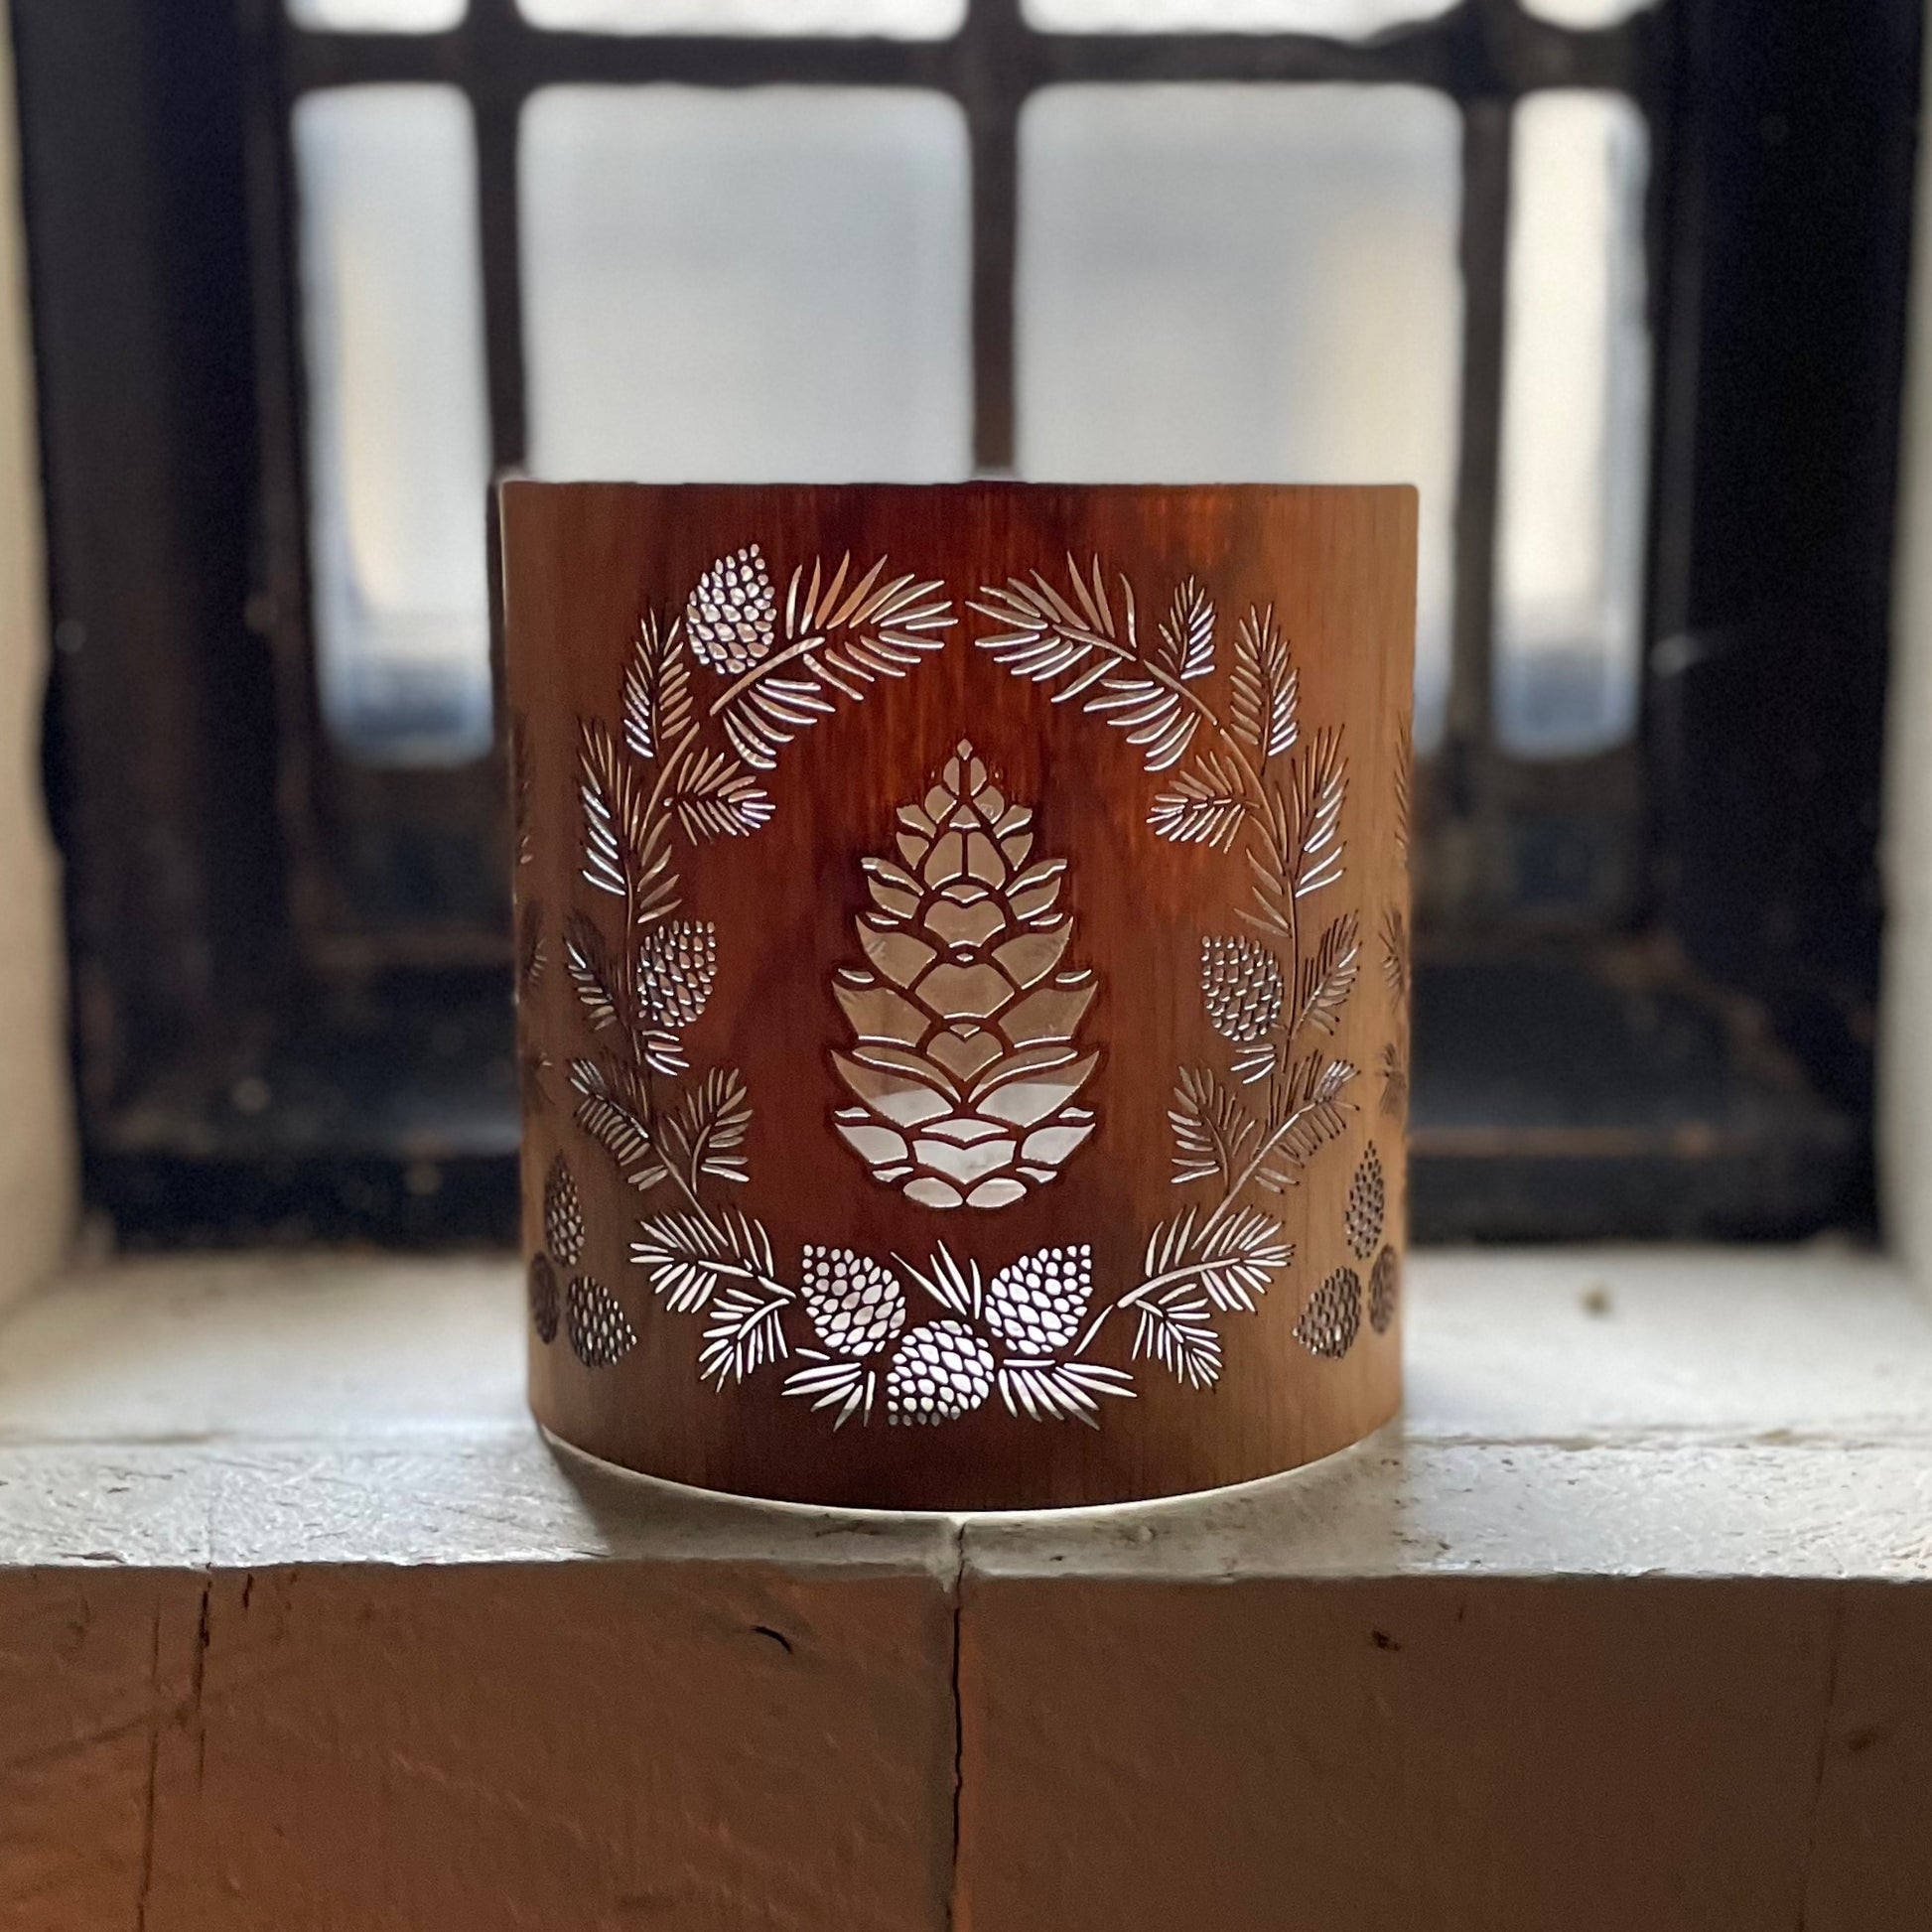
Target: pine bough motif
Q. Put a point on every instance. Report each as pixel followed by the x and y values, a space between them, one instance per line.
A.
pixel 1395 934
pixel 681 769
pixel 964 1065
pixel 963 1060
pixel 1243 778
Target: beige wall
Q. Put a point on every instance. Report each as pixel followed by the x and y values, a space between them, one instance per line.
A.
pixel 1905 1116
pixel 37 1162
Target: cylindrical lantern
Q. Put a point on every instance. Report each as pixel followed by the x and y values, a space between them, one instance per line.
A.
pixel 962 955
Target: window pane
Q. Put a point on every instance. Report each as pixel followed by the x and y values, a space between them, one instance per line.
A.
pixel 907 20
pixel 746 286
pixel 1336 19
pixel 1585 13
pixel 1247 284
pixel 1575 406
pixel 398 441
pixel 377 16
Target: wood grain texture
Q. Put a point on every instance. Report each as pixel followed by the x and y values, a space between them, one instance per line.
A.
pixel 685 1746
pixel 651 936
pixel 712 1741
pixel 97 1670
pixel 1868 1848
pixel 1502 1757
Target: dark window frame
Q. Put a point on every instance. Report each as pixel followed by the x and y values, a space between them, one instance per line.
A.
pixel 1648 979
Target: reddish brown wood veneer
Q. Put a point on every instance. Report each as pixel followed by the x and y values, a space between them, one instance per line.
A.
pixel 963 981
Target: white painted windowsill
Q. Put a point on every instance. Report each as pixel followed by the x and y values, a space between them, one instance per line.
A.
pixel 1732 1413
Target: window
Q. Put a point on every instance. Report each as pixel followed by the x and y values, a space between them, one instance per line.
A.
pixel 303 281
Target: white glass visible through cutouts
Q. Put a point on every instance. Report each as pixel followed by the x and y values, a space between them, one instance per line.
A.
pixel 1583 15
pixel 1576 413
pixel 1334 18
pixel 966 1058
pixel 1247 284
pixel 905 20
pixel 737 286
pixel 377 16
pixel 398 428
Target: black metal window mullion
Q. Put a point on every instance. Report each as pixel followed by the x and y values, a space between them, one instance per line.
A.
pixel 988 76
pixel 1464 795
pixel 495 31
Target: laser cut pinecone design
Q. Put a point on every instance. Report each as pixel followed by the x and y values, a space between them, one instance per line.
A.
pixel 941 1372
pixel 563 1215
pixel 601 1334
pixel 965 1060
pixel 1242 988
pixel 1384 1291
pixel 730 617
pixel 1332 1317
pixel 1367 1201
pixel 856 1304
pixel 1039 1303
pixel 677 966
pixel 545 1302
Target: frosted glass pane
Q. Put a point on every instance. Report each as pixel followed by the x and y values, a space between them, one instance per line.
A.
pixel 1247 284
pixel 766 285
pixel 398 438
pixel 1576 407
pixel 1585 13
pixel 1336 19
pixel 907 20
pixel 378 16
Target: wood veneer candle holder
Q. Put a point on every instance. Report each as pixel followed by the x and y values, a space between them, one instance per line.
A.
pixel 963 966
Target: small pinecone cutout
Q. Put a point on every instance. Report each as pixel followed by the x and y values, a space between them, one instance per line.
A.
pixel 1243 989
pixel 543 1299
pixel 941 1372
pixel 1334 1315
pixel 1384 1290
pixel 728 618
pixel 1037 1303
pixel 856 1306
pixel 1367 1202
pixel 677 965
pixel 563 1215
pixel 600 1331
pixel 545 1302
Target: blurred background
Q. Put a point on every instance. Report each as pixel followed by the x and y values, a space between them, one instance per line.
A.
pixel 1621 288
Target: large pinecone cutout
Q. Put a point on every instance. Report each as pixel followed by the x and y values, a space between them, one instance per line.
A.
pixel 965 1058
